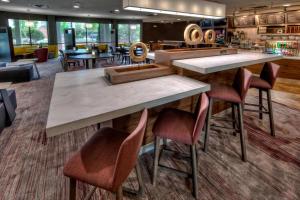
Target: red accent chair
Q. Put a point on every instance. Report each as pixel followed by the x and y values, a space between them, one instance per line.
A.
pixel 41 54
pixel 265 83
pixel 107 159
pixel 183 127
pixel 235 95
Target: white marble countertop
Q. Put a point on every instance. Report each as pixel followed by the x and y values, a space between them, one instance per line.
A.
pixel 83 98
pixel 213 64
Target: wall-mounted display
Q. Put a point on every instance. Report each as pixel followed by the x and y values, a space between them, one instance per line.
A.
pixel 244 21
pixel 293 17
pixel 269 19
pixel 275 18
pixel 6 45
pixel 262 19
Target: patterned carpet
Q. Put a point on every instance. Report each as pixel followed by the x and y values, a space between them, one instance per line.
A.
pixel 31 167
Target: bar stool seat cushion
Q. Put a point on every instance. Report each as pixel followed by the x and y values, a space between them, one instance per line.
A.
pixel 257 82
pixel 225 93
pixel 176 125
pixel 104 147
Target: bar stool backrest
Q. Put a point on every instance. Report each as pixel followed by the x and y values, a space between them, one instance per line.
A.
pixel 241 82
pixel 128 152
pixel 269 73
pixel 201 111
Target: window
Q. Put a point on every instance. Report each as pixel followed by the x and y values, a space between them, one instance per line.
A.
pixel 29 32
pixel 80 32
pixel 60 28
pixel 129 33
pixel 105 33
pixel 92 32
pixel 85 33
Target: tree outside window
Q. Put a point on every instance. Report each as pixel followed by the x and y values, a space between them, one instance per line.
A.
pixel 29 32
pixel 129 33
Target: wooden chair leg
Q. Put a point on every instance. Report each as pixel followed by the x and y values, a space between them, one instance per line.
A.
pixel 260 104
pixel 156 156
pixel 242 132
pixel 119 194
pixel 72 189
pixel 207 125
pixel 194 170
pixel 270 109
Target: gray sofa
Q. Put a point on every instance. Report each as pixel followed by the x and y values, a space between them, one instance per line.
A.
pixel 16 74
pixel 3 115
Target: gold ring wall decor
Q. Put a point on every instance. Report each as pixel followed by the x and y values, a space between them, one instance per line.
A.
pixel 139 58
pixel 193 34
pixel 210 36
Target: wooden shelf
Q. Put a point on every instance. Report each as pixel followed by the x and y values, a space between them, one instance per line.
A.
pixel 280 34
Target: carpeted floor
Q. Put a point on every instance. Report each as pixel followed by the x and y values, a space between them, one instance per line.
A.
pixel 31 167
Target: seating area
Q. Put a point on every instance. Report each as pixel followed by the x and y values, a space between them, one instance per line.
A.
pixel 155 100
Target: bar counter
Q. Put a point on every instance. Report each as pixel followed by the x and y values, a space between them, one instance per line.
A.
pixel 73 104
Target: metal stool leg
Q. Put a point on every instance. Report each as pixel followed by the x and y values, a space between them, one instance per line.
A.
pixel 194 170
pixel 72 189
pixel 140 178
pixel 242 133
pixel 207 126
pixel 260 104
pixel 270 108
pixel 156 156
pixel 234 124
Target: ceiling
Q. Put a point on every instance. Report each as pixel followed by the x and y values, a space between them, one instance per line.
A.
pixel 102 8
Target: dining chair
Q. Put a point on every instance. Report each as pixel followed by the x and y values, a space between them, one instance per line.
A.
pixel 182 127
pixel 107 159
pixel 234 94
pixel 265 83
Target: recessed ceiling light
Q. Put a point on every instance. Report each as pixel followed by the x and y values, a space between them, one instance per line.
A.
pixel 117 10
pixel 76 5
pixel 287 5
pixel 178 19
pixel 6 1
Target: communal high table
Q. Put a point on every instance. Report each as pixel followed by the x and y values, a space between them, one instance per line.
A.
pixel 85 98
pixel 220 69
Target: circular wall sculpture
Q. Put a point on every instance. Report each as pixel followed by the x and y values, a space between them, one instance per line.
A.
pixel 210 36
pixel 138 58
pixel 193 34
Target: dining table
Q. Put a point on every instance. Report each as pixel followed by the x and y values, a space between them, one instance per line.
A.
pixel 70 52
pixel 90 59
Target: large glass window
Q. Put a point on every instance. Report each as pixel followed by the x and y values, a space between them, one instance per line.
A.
pixel 105 33
pixel 129 33
pixel 60 28
pixel 92 33
pixel 80 32
pixel 85 33
pixel 29 32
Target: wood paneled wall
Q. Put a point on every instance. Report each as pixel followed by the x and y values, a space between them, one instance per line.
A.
pixel 163 31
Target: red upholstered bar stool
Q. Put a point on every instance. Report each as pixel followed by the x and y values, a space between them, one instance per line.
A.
pixel 107 159
pixel 235 95
pixel 265 83
pixel 183 127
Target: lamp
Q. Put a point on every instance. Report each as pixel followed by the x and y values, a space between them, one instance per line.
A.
pixel 189 8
